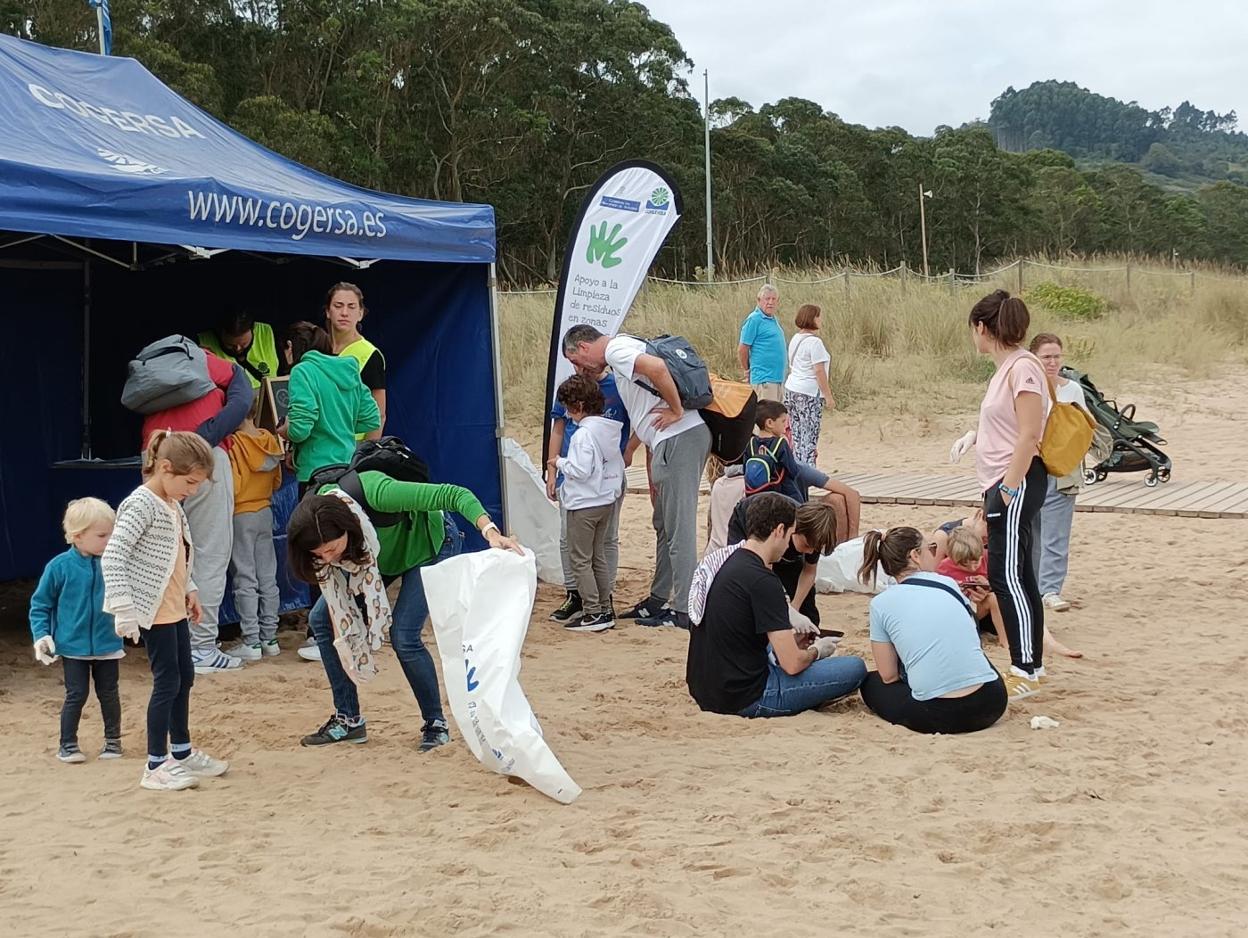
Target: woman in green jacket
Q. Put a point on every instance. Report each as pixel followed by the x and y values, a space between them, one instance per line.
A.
pixel 330 538
pixel 329 404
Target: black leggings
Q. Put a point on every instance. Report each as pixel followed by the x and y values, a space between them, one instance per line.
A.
pixel 894 703
pixel 1011 571
pixel 173 673
pixel 78 676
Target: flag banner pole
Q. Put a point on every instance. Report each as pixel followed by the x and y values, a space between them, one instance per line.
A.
pixel 623 222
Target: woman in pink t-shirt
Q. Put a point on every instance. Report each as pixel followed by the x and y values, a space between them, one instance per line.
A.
pixel 1012 477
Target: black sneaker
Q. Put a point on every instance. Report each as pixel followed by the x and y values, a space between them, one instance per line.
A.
pixel 598 622
pixel 646 609
pixel 111 750
pixel 570 609
pixel 662 618
pixel 69 752
pixel 435 733
pixel 336 730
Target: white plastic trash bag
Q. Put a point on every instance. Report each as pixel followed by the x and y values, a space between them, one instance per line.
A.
pixel 838 571
pixel 480 605
pixel 532 518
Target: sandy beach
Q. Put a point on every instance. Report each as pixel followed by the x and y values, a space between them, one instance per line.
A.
pixel 1130 818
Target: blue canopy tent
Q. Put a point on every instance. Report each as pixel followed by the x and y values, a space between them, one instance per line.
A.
pixel 127 214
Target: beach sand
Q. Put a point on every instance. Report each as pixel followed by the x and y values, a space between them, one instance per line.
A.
pixel 1130 818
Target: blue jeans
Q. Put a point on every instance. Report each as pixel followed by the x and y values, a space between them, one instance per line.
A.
pixel 1056 517
pixel 825 680
pixel 410 611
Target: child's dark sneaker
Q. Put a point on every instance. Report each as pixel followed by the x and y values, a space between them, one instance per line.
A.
pixel 433 734
pixel 111 750
pixel 336 730
pixel 571 608
pixel 70 753
pixel 599 622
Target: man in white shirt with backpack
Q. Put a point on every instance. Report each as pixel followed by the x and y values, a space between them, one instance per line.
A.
pixel 679 443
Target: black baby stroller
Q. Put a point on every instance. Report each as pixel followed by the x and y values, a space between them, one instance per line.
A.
pixel 1136 443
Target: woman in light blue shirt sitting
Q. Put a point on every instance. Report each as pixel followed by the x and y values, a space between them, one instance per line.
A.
pixel 931 673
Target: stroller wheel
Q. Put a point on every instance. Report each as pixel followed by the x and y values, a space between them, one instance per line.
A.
pixel 1101 475
pixel 1089 477
pixel 1163 475
pixel 1151 481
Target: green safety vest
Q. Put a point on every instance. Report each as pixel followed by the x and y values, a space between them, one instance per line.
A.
pixel 361 350
pixel 262 356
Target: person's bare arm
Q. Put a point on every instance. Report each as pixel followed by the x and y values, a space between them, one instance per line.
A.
pixel 652 368
pixel 805 582
pixel 743 356
pixel 1029 409
pixel 821 377
pixel 885 657
pixel 792 659
pixel 557 427
pixel 380 397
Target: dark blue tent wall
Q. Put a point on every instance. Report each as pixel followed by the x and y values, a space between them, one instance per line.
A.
pixel 41 367
pixel 432 322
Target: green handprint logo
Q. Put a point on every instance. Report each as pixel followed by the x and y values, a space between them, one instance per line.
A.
pixel 603 247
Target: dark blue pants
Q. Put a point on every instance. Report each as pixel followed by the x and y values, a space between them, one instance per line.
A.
pixel 78 677
pixel 173 673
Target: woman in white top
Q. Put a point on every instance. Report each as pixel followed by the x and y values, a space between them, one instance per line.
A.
pixel 1058 512
pixel 806 391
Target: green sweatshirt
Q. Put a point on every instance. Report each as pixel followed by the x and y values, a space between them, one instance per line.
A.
pixel 329 405
pixel 417 540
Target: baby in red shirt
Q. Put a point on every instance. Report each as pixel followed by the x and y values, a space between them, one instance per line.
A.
pixel 967 565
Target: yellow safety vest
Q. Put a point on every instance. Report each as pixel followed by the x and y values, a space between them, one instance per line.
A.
pixel 262 355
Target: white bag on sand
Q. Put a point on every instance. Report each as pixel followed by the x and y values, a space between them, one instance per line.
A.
pixel 532 517
pixel 480 605
pixel 838 571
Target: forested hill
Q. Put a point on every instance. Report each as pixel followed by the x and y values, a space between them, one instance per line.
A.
pixel 1184 146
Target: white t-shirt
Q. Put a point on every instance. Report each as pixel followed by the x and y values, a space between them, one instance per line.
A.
pixel 1071 393
pixel 622 352
pixel 806 350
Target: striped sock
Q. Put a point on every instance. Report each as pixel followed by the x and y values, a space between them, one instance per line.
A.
pixel 155 762
pixel 180 750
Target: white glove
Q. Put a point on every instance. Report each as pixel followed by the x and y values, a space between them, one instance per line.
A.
pixel 801 623
pixel 127 628
pixel 45 650
pixel 825 647
pixel 961 446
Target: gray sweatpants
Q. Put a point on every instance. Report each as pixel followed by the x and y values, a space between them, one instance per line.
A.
pixel 253 566
pixel 612 547
pixel 676 467
pixel 587 550
pixel 210 512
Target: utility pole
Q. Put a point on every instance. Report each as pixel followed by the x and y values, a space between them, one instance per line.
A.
pixel 706 112
pixel 99 25
pixel 923 224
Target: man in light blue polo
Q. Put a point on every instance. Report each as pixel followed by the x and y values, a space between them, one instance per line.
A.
pixel 762 348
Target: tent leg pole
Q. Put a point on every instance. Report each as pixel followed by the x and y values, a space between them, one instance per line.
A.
pixel 86 360
pixel 498 391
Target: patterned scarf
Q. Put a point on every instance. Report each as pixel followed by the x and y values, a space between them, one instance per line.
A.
pixel 704 576
pixel 357 635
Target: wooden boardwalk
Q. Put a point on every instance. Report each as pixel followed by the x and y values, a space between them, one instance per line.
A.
pixel 1127 495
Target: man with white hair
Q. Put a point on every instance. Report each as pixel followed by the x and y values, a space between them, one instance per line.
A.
pixel 762 348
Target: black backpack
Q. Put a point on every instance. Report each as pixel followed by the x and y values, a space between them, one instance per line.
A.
pixel 390 456
pixel 689 372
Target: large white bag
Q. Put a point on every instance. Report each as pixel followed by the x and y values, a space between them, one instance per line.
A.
pixel 532 518
pixel 480 605
pixel 838 571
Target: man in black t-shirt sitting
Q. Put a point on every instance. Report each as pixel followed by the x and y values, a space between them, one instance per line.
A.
pixel 745 614
pixel 814 533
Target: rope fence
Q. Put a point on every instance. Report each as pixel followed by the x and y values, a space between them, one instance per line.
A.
pixel 952 278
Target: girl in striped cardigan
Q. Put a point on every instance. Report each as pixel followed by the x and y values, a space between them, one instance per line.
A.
pixel 148 587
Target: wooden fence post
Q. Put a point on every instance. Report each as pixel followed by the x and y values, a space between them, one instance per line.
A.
pixel 1128 278
pixel 1021 262
pixel 1192 283
pixel 953 284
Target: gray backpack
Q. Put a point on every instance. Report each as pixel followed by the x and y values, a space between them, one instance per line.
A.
pixel 169 372
pixel 689 373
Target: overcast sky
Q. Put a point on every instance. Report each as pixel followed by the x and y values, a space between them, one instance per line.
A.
pixel 920 63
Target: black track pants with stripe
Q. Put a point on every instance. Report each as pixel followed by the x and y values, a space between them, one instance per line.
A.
pixel 1011 570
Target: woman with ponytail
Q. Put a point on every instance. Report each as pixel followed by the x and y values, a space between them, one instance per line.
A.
pixel 148 587
pixel 931 674
pixel 1012 477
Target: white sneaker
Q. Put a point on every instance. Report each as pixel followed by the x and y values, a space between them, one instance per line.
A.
pixel 310 650
pixel 270 648
pixel 211 660
pixel 201 765
pixel 1054 602
pixel 245 652
pixel 168 776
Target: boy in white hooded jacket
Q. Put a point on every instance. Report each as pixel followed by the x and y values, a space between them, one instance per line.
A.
pixel 593 477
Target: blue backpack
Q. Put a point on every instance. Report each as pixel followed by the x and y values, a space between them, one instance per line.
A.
pixel 763 471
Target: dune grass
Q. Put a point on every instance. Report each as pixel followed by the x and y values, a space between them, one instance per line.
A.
pixel 902 346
